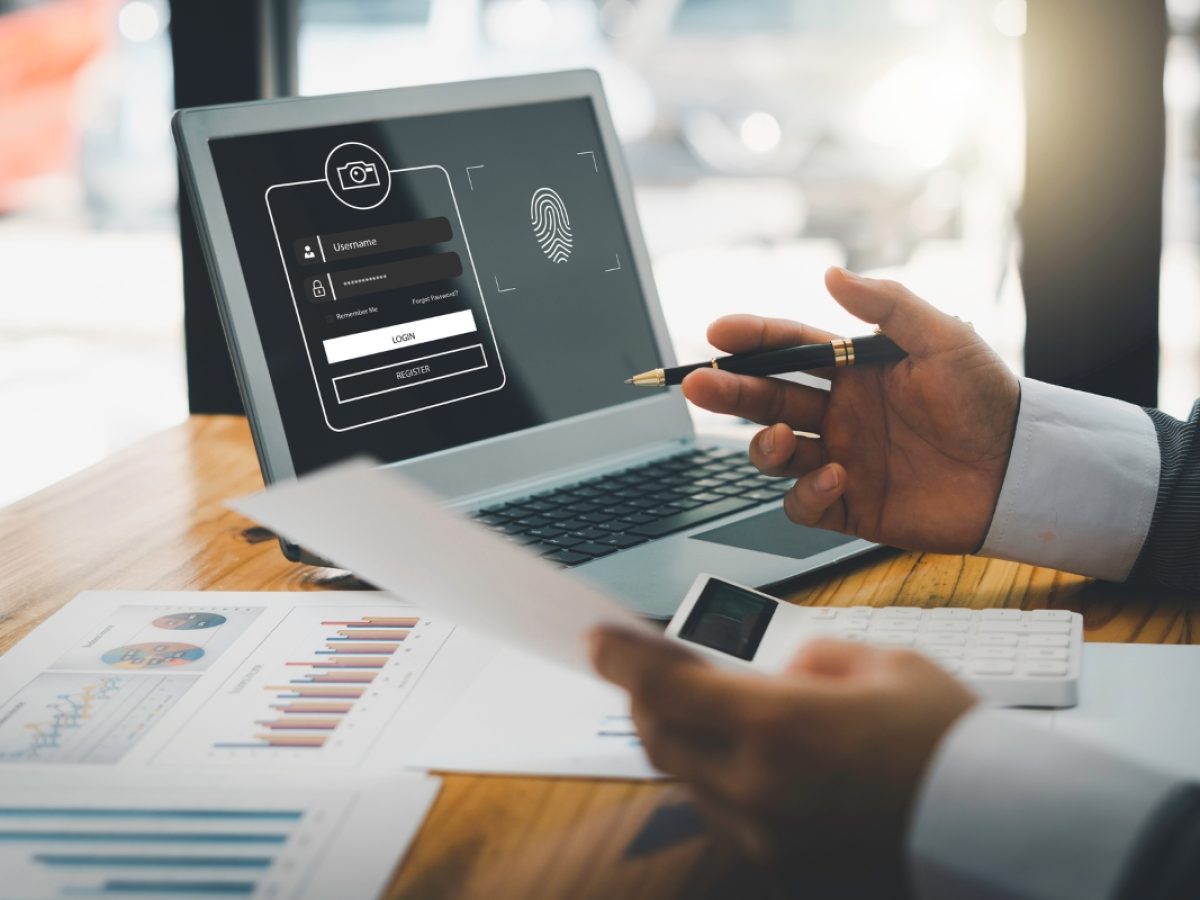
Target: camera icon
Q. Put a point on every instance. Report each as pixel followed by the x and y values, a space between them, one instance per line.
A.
pixel 355 175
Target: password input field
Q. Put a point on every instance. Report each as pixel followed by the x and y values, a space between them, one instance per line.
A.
pixel 394 337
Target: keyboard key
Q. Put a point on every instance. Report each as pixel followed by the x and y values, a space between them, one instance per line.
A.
pixel 690 518
pixel 1002 627
pixel 823 613
pixel 594 549
pixel 854 624
pixel 900 612
pixel 565 541
pixel 567 557
pixel 941 652
pixel 860 612
pixel 545 533
pixel 1000 615
pixel 592 534
pixel 621 541
pixel 1044 669
pixel 886 624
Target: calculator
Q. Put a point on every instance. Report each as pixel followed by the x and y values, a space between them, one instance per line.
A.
pixel 1010 657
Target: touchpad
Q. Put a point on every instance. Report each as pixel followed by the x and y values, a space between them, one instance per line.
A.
pixel 774 532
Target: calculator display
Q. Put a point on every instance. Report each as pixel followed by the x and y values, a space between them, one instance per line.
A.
pixel 728 619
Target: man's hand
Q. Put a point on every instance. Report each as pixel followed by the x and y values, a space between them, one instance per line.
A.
pixel 815 771
pixel 911 454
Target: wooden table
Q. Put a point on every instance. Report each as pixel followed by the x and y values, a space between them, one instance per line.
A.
pixel 151 517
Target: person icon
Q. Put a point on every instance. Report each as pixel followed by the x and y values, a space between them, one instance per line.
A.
pixel 308 252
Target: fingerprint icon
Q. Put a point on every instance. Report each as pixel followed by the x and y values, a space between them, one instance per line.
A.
pixel 551 224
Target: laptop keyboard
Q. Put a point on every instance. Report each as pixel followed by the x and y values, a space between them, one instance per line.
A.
pixel 590 519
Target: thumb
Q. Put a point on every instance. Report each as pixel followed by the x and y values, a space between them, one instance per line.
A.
pixel 830 658
pixel 915 325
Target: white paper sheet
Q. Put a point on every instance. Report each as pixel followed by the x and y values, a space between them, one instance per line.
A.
pixel 400 538
pixel 1141 699
pixel 142 833
pixel 525 716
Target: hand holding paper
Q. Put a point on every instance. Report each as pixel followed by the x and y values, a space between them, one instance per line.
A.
pixel 401 538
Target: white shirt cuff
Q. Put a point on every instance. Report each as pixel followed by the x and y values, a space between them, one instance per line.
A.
pixel 1009 809
pixel 1081 484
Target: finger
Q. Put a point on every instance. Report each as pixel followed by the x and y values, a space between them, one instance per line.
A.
pixel 666 680
pixel 744 333
pixel 762 400
pixel 778 452
pixel 831 658
pixel 914 324
pixel 812 498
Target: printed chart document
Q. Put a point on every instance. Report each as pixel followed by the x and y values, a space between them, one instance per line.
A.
pixel 398 536
pixel 67 832
pixel 525 716
pixel 345 681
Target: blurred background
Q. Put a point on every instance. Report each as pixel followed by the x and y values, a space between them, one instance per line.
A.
pixel 775 137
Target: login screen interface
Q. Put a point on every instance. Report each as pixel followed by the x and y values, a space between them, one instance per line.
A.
pixel 427 282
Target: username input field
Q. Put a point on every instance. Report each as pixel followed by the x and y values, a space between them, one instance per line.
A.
pixel 336 246
pixel 394 337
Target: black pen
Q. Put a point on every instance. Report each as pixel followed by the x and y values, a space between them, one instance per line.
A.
pixel 872 348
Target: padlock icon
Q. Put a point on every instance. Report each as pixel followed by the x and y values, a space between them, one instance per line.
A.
pixel 318 289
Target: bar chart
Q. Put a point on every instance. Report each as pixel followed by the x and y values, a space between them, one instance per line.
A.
pixel 145 836
pixel 326 703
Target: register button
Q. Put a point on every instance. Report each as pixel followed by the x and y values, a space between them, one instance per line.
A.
pixel 398 376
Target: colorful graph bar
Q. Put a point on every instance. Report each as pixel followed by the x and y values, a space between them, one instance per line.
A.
pixel 310 707
pixel 370 635
pixel 302 724
pixel 339 678
pixel 188 888
pixel 153 837
pixel 130 860
pixel 379 622
pixel 289 815
pixel 290 692
pixel 369 662
pixel 358 648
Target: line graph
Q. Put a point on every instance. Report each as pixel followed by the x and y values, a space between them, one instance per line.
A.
pixel 81 717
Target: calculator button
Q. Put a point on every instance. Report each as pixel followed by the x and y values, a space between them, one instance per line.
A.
pixel 1048 640
pixel 1045 669
pixel 996 640
pixel 953 640
pixel 1005 627
pixel 895 624
pixel 1001 615
pixel 1046 653
pixel 900 612
pixel 1051 615
pixel 892 638
pixel 993 667
pixel 947 627
pixel 1050 627
pixel 952 613
pixel 994 653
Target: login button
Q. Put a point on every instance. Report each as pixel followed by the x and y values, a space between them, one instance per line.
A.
pixel 398 376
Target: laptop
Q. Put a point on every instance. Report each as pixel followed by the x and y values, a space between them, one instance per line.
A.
pixel 452 279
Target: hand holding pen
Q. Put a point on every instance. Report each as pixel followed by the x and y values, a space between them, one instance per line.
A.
pixel 909 454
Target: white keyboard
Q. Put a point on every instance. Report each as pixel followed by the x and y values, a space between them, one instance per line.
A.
pixel 1010 657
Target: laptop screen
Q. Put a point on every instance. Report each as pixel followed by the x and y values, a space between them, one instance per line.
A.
pixel 427 282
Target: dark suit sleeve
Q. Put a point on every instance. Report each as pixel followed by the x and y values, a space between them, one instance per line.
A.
pixel 1171 555
pixel 1165 862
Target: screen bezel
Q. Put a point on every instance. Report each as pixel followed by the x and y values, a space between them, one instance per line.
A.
pixel 524 456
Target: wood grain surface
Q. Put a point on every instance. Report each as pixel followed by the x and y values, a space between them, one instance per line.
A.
pixel 152 517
